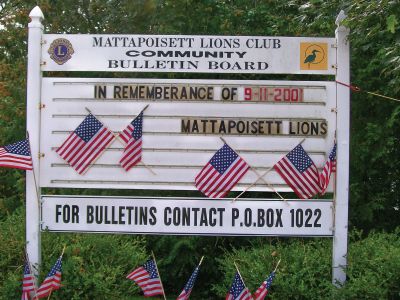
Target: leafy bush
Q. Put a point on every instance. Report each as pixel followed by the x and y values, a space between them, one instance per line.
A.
pixel 94 265
pixel 305 270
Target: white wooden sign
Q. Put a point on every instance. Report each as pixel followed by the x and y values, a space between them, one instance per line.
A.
pixel 197 216
pixel 191 53
pixel 261 120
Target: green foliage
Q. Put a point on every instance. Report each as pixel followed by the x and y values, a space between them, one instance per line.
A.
pixel 94 265
pixel 305 269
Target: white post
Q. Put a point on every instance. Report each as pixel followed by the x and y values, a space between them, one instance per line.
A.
pixel 339 256
pixel 33 127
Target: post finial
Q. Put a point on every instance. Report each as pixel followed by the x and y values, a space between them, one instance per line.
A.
pixel 340 17
pixel 36 16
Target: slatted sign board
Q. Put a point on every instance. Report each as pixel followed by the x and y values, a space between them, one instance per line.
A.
pixel 183 123
pixel 261 120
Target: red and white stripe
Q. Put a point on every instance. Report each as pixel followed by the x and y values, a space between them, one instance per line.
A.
pixel 244 295
pixel 329 168
pixel 305 184
pixel 80 154
pixel 28 286
pixel 215 185
pixel 49 284
pixel 132 154
pixel 17 161
pixel 150 287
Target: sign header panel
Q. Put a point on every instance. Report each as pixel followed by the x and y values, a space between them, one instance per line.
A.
pixel 197 216
pixel 194 54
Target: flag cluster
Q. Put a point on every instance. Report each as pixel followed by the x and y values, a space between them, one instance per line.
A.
pixel 301 174
pixel 226 168
pixel 89 140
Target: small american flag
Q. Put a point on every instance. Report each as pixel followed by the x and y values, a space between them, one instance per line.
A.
pixel 17 155
pixel 238 290
pixel 221 173
pixel 85 144
pixel 262 291
pixel 28 282
pixel 52 281
pixel 147 279
pixel 189 285
pixel 329 168
pixel 132 136
pixel 299 172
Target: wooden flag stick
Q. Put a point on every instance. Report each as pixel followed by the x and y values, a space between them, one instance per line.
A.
pixel 276 268
pixel 270 186
pixel 148 168
pixel 155 262
pixel 201 260
pixel 251 185
pixel 144 109
pixel 260 177
pixel 62 253
pixel 50 294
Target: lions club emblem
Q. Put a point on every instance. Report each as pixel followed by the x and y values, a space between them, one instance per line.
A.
pixel 60 51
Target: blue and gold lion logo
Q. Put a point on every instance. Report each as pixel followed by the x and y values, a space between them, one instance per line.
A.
pixel 61 51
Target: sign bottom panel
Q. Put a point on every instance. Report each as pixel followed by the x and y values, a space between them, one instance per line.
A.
pixel 187 216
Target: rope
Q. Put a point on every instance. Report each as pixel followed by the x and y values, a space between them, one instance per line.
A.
pixel 355 88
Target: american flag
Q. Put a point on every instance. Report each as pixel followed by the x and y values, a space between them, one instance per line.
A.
pixel 238 290
pixel 52 281
pixel 28 282
pixel 221 173
pixel 329 168
pixel 299 172
pixel 132 136
pixel 85 144
pixel 262 291
pixel 17 155
pixel 147 279
pixel 189 285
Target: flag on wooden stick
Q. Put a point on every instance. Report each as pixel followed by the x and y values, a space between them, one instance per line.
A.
pixel 221 173
pixel 28 282
pixel 238 290
pixel 148 279
pixel 329 168
pixel 262 291
pixel 185 294
pixel 52 281
pixel 299 172
pixel 85 144
pixel 132 136
pixel 16 155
